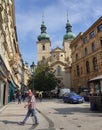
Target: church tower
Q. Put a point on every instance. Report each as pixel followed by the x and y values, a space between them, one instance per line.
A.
pixel 43 44
pixel 68 37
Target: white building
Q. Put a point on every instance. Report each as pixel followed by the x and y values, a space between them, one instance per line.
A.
pixel 58 58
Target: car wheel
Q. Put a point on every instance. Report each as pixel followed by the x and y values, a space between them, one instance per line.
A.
pixel 71 102
pixel 64 101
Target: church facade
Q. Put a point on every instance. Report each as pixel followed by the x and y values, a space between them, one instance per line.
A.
pixel 59 59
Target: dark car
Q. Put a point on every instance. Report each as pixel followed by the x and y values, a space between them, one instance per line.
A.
pixel 86 95
pixel 73 97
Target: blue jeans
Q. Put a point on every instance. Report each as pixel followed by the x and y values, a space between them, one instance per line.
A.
pixel 31 112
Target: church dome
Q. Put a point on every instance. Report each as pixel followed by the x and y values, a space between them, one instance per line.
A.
pixel 43 35
pixel 69 34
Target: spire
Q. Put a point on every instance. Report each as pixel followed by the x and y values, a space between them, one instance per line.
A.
pixel 67 16
pixel 69 34
pixel 43 27
pixel 43 18
pixel 43 35
pixel 68 25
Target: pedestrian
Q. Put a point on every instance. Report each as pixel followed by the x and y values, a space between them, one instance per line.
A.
pixel 31 109
pixel 19 98
pixel 40 96
pixel 14 97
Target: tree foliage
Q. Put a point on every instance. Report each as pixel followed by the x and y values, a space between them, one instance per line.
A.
pixel 43 79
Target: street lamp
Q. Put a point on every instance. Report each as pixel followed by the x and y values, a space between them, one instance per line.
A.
pixel 32 69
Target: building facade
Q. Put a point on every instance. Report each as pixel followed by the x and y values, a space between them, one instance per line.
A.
pixel 59 59
pixel 87 55
pixel 11 62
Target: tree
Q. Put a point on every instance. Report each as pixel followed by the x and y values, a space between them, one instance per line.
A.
pixel 44 79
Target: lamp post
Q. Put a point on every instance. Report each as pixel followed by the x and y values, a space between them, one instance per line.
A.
pixel 32 68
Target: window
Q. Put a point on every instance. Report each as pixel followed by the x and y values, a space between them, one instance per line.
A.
pixel 93 47
pixel 78 71
pixel 81 70
pixel 99 27
pixel 85 40
pixel 43 58
pixel 87 67
pixel 86 51
pixel 95 66
pixel 43 47
pixel 101 41
pixel 58 70
pixel 76 56
pixel 75 47
pixel 92 34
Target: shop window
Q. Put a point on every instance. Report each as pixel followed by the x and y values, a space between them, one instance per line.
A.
pixel 97 88
pixel 95 63
pixel 87 67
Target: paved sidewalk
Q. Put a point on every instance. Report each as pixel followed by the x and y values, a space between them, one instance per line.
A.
pixel 14 113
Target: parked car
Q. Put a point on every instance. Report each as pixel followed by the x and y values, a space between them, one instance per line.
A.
pixel 63 91
pixel 73 97
pixel 86 95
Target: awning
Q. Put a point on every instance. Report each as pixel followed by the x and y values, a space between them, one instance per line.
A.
pixel 96 78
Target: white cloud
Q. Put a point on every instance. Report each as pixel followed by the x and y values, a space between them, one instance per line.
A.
pixel 81 14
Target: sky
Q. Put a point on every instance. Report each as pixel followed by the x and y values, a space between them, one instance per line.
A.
pixel 28 14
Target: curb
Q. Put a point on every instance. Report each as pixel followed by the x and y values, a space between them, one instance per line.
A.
pixel 3 108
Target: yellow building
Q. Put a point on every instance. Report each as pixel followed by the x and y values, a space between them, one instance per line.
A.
pixel 59 59
pixel 87 55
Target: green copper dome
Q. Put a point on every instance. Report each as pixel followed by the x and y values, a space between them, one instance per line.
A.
pixel 69 34
pixel 43 35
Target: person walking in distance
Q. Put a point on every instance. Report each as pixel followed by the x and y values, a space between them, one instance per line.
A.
pixel 31 110
pixel 40 96
pixel 19 98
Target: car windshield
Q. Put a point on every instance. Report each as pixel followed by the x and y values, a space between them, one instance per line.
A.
pixel 73 94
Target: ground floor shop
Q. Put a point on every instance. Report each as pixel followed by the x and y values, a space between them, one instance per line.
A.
pixel 95 85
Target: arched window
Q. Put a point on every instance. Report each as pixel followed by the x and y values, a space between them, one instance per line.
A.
pixel 87 67
pixel 86 51
pixel 93 47
pixel 58 70
pixel 78 70
pixel 43 47
pixel 95 66
pixel 101 41
pixel 76 56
